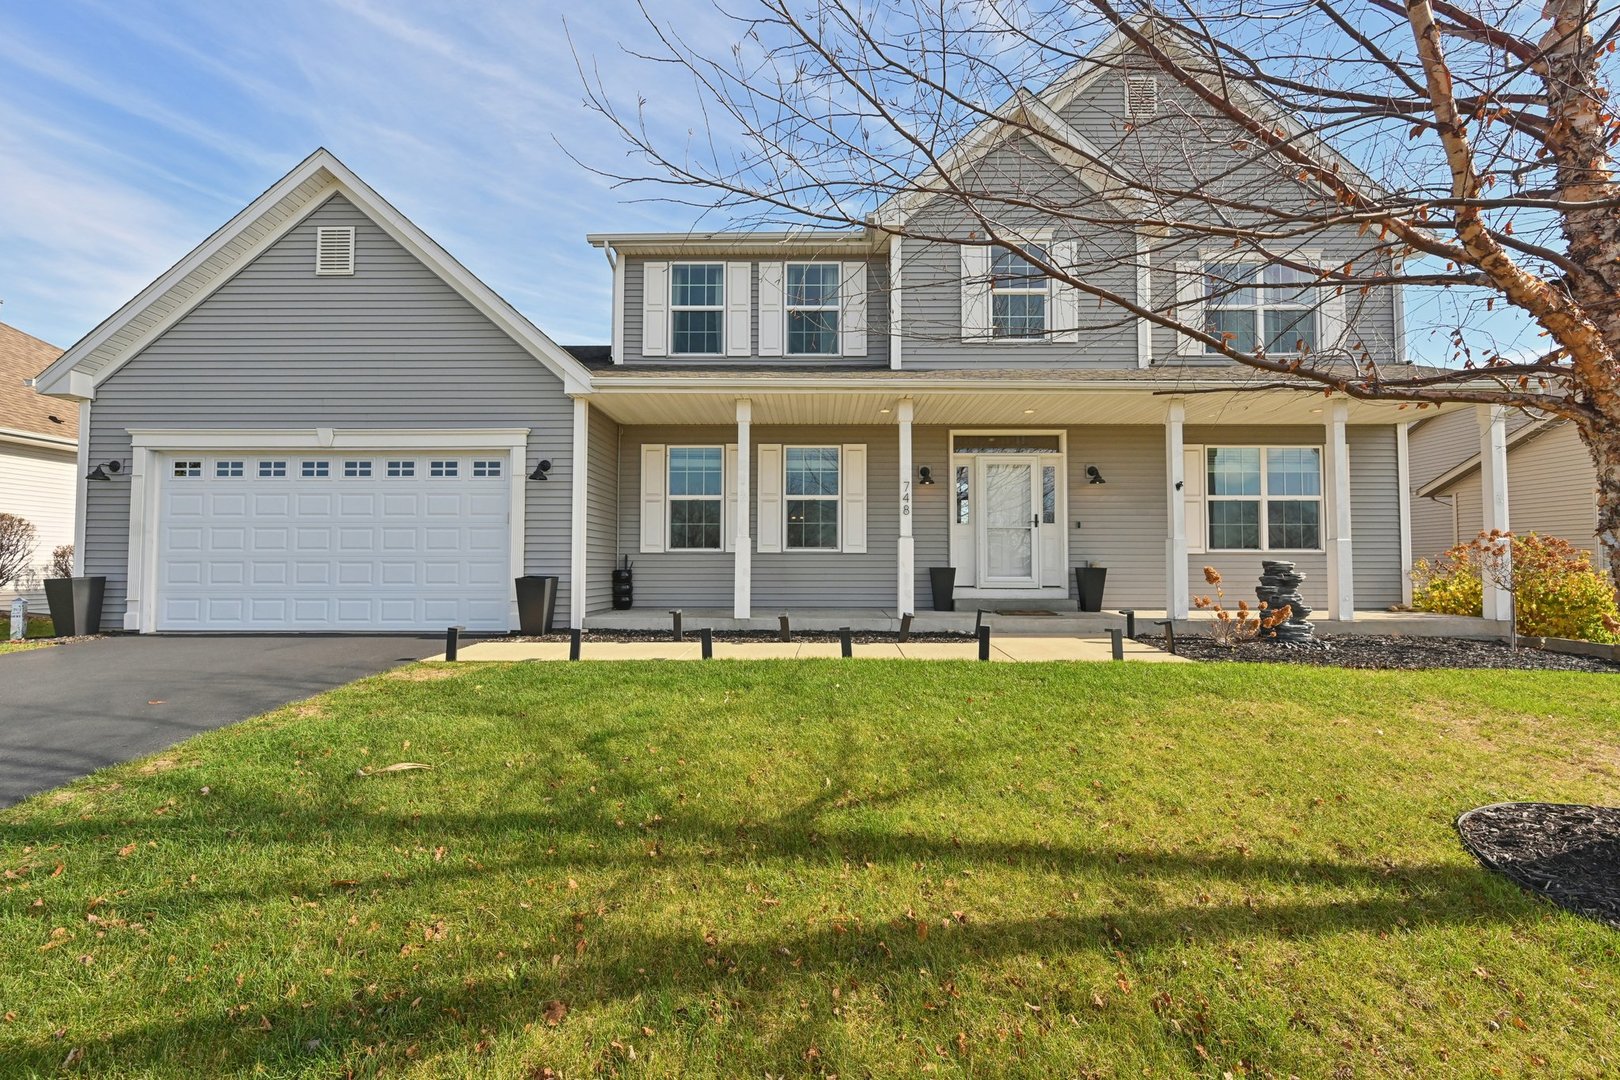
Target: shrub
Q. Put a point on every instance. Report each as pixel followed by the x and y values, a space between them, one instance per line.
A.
pixel 18 542
pixel 1556 592
pixel 61 564
pixel 1232 628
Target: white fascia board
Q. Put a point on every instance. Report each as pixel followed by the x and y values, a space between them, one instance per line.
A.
pixel 327 439
pixel 36 439
pixel 574 375
pixel 806 240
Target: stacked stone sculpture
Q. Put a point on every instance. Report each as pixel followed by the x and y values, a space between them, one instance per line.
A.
pixel 1279 585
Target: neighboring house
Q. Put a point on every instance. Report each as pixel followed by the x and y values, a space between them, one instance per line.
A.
pixel 1551 483
pixel 39 438
pixel 327 423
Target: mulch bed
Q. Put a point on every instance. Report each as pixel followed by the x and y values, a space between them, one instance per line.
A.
pixel 1387 653
pixel 1567 854
pixel 859 637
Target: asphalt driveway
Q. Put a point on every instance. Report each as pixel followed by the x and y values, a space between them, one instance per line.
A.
pixel 68 710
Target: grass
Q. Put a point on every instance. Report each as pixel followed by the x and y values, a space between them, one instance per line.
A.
pixel 802 868
pixel 39 626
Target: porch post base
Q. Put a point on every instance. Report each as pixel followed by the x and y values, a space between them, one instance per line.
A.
pixel 906 586
pixel 1178 602
pixel 1341 605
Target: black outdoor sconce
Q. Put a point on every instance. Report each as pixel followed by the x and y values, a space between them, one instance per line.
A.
pixel 1094 477
pixel 925 476
pixel 100 471
pixel 541 470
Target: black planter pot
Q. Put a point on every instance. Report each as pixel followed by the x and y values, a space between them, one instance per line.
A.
pixel 942 579
pixel 1088 582
pixel 537 603
pixel 75 604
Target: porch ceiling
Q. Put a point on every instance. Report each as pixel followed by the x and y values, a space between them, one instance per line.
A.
pixel 1037 407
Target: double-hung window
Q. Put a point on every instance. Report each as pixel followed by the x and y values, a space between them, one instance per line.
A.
pixel 1253 307
pixel 812 309
pixel 696 497
pixel 811 490
pixel 697 294
pixel 1019 291
pixel 1264 498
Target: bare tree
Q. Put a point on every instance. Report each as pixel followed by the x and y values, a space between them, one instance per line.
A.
pixel 1459 151
pixel 18 542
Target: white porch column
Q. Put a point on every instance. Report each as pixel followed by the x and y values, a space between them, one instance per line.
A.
pixel 1493 478
pixel 1403 477
pixel 1175 547
pixel 742 585
pixel 906 550
pixel 578 478
pixel 1340 578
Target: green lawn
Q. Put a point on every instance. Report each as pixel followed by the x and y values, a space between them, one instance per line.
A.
pixel 39 626
pixel 820 867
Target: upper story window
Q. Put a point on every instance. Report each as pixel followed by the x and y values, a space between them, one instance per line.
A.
pixel 1253 306
pixel 696 497
pixel 1265 498
pixel 812 309
pixel 1018 294
pixel 697 294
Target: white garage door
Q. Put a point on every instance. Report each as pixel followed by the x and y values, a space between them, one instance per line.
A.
pixel 342 541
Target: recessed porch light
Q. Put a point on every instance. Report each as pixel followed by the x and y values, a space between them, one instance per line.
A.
pixel 1029 412
pixel 891 410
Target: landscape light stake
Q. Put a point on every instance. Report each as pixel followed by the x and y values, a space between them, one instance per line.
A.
pixel 451 640
pixel 905 628
pixel 675 618
pixel 845 648
pixel 1118 639
pixel 984 643
pixel 1169 635
pixel 783 633
pixel 573 644
pixel 706 635
pixel 1130 621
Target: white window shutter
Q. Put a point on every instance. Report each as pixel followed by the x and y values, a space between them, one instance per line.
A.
pixel 728 520
pixel 975 292
pixel 853 483
pixel 654 477
pixel 1065 309
pixel 655 310
pixel 769 483
pixel 772 276
pixel 1192 487
pixel 739 308
pixel 852 310
pixel 1189 304
pixel 1334 332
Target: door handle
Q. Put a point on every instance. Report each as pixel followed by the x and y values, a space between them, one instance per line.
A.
pixel 1035 522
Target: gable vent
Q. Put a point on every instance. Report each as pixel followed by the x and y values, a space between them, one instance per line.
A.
pixel 1141 96
pixel 334 250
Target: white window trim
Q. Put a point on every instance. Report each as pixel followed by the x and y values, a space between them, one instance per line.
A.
pixel 150 445
pixel 1311 257
pixel 719 308
pixel 839 498
pixel 670 499
pixel 1265 500
pixel 836 307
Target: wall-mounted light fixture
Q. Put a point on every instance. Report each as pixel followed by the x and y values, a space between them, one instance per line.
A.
pixel 925 476
pixel 100 471
pixel 1093 476
pixel 540 470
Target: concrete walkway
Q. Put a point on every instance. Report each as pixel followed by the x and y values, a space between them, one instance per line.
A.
pixel 1005 648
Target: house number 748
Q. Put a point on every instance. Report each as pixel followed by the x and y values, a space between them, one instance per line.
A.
pixel 905 498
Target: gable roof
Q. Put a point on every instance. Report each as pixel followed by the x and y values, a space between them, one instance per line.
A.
pixel 1529 429
pixel 25 416
pixel 1040 111
pixel 217 259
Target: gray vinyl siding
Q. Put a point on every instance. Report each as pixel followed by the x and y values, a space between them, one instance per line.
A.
pixel 277 347
pixel 781 580
pixel 601 511
pixel 877 316
pixel 1124 523
pixel 1375 517
pixel 1552 490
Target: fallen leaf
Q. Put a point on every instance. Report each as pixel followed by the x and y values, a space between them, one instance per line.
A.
pixel 127 849
pixel 74 1056
pixel 398 766
pixel 554 1011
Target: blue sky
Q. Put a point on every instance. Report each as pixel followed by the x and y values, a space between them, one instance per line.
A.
pixel 131 129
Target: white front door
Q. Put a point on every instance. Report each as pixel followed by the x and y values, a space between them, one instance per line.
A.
pixel 1009 526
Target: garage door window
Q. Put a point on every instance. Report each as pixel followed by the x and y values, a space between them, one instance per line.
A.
pixel 399 470
pixel 270 470
pixel 356 469
pixel 314 469
pixel 444 468
pixel 187 468
pixel 227 468
pixel 484 469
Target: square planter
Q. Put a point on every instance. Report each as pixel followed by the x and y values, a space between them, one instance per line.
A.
pixel 1088 583
pixel 75 604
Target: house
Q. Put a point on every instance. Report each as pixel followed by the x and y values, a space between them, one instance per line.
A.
pixel 324 422
pixel 1549 471
pixel 38 451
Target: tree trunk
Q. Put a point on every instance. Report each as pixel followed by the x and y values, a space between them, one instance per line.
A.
pixel 1602 439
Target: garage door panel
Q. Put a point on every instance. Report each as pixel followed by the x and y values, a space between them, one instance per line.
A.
pixel 340 551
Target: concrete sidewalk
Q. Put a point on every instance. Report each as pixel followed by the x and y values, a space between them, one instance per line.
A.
pixel 1006 648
